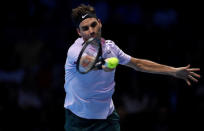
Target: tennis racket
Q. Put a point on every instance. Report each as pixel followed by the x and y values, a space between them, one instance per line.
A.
pixel 91 58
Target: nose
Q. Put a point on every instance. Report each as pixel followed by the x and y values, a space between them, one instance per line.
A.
pixel 91 31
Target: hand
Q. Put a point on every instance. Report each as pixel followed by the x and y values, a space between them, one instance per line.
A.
pixel 106 69
pixel 187 74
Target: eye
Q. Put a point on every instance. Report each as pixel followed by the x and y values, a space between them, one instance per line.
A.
pixel 93 24
pixel 85 28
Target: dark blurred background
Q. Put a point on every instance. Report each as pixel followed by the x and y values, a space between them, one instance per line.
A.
pixel 35 37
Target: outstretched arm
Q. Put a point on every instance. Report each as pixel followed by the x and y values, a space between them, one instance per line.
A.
pixel 186 73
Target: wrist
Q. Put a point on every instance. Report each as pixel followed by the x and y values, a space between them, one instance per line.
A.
pixel 106 69
pixel 173 71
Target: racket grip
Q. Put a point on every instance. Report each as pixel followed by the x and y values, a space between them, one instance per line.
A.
pixel 99 64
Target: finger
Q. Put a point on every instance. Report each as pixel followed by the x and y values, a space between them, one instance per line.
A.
pixel 188 66
pixel 192 78
pixel 194 69
pixel 188 82
pixel 195 74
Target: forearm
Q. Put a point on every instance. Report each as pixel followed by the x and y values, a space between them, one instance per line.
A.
pixel 151 67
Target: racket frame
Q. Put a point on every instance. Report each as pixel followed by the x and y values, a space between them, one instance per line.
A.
pixel 86 43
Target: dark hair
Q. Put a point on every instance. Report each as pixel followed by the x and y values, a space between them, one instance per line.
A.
pixel 81 10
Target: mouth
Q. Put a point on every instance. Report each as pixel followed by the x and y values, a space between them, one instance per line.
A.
pixel 94 35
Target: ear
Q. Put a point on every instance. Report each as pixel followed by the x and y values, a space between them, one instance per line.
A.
pixel 78 31
pixel 99 21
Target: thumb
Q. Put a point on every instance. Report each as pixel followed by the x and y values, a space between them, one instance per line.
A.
pixel 188 66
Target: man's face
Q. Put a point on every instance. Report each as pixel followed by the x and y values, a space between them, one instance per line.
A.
pixel 90 27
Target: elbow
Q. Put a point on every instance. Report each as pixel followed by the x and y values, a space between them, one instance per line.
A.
pixel 136 64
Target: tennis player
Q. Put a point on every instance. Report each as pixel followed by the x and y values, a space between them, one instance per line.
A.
pixel 88 103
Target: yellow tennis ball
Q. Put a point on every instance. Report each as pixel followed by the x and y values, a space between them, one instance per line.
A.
pixel 112 62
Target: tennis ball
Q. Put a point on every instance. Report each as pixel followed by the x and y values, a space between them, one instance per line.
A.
pixel 112 62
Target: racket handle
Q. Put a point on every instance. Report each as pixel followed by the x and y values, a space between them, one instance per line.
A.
pixel 99 64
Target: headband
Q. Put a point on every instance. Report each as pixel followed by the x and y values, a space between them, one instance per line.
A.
pixel 83 17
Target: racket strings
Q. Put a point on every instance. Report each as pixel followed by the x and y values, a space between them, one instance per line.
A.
pixel 89 55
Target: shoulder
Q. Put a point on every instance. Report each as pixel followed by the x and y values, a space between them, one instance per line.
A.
pixel 74 49
pixel 110 44
pixel 76 45
pixel 78 42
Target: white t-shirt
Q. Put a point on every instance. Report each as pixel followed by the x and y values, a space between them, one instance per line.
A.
pixel 90 95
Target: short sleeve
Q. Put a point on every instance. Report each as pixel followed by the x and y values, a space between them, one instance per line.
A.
pixel 123 57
